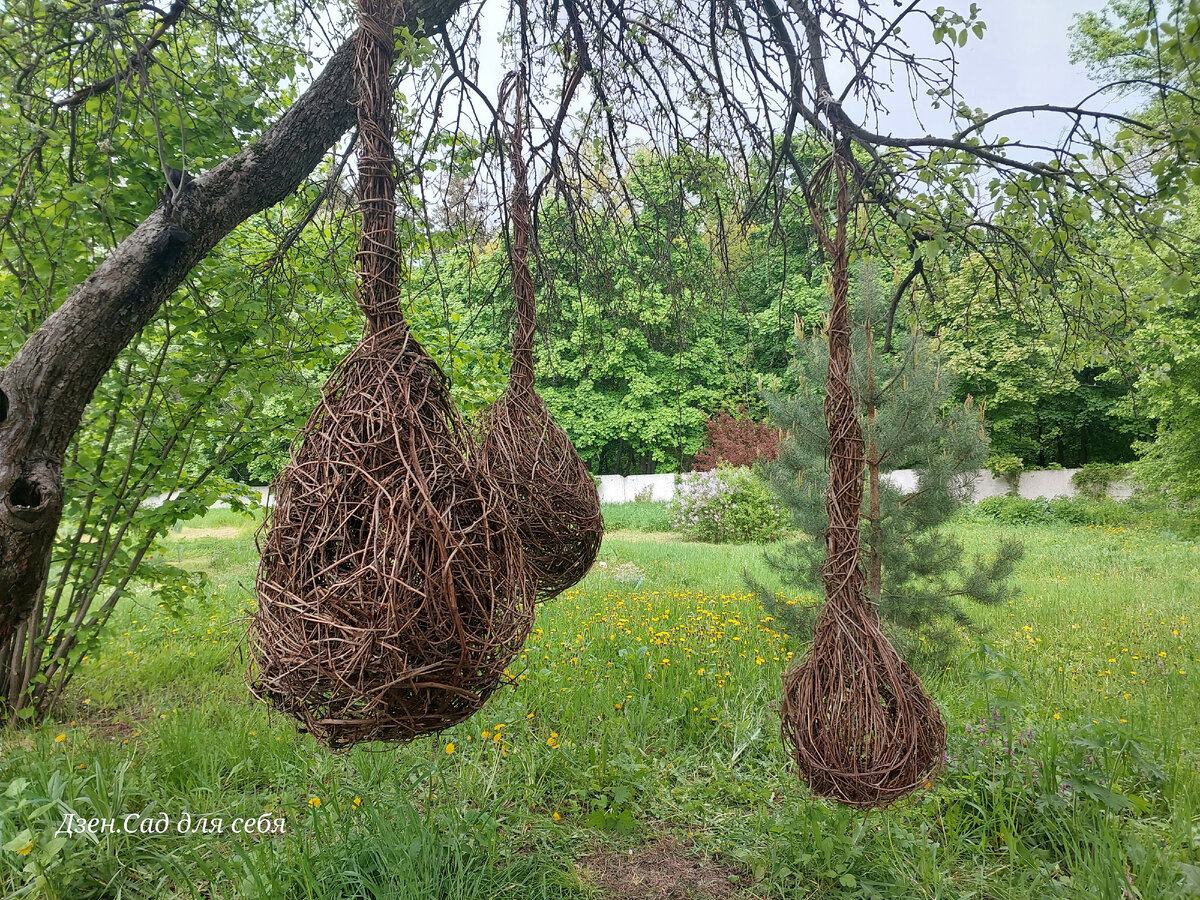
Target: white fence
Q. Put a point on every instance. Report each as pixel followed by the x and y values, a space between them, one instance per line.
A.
pixel 627 488
pixel 1040 483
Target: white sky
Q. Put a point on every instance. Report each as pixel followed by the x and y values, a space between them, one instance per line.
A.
pixel 1022 59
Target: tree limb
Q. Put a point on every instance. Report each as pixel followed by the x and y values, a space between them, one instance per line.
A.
pixel 52 377
pixel 172 16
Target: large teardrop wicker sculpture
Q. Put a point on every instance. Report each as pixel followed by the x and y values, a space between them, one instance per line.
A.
pixel 392 589
pixel 859 724
pixel 552 497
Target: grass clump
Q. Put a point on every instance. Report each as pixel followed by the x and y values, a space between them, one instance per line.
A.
pixel 640 724
pixel 637 515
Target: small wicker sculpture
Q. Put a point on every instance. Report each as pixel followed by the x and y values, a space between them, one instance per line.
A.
pixel 552 497
pixel 860 726
pixel 392 588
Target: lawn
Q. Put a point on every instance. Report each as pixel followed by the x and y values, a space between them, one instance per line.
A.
pixel 637 753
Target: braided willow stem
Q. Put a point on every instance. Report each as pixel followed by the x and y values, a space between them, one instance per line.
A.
pixel 392 588
pixel 378 257
pixel 521 376
pixel 861 728
pixel 552 497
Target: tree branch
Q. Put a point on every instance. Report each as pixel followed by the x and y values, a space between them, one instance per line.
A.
pixel 917 269
pixel 172 16
pixel 52 377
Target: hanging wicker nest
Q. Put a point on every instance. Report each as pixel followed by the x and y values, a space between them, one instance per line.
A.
pixel 392 592
pixel 856 719
pixel 858 723
pixel 551 495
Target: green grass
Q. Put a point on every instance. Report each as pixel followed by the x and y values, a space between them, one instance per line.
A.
pixel 641 718
pixel 638 515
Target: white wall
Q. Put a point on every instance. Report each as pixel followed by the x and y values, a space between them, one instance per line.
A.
pixel 625 488
pixel 1040 483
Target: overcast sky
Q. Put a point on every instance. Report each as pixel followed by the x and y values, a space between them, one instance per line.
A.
pixel 1022 59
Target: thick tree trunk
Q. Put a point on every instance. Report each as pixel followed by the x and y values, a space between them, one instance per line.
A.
pixel 46 386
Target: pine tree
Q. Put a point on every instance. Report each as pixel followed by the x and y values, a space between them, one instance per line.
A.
pixel 916 572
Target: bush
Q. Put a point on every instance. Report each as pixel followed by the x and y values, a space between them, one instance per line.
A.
pixel 1094 479
pixel 636 516
pixel 1010 510
pixel 727 506
pixel 737 441
pixel 1061 510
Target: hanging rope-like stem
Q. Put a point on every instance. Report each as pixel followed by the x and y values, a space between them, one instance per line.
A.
pixel 552 496
pixel 393 591
pixel 861 728
pixel 378 258
pixel 521 377
pixel 841 575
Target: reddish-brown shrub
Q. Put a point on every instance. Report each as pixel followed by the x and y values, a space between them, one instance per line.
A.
pixel 737 440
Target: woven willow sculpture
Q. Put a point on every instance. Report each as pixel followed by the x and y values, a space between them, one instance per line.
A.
pixel 392 589
pixel 552 497
pixel 860 726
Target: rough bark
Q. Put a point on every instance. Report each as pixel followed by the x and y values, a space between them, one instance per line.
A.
pixel 47 385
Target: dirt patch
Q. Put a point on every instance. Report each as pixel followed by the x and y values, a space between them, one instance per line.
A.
pixel 225 531
pixel 664 870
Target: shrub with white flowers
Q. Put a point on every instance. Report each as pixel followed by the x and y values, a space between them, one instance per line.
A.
pixel 727 506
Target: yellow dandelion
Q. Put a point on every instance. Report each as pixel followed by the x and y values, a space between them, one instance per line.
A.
pixel 314 802
pixel 449 748
pixel 60 739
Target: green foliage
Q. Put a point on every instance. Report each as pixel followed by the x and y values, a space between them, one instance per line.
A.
pixel 727 505
pixel 1039 407
pixel 1008 466
pixel 914 571
pixel 649 329
pixel 1083 510
pixel 1012 510
pixel 1170 389
pixel 1134 43
pixel 1094 479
